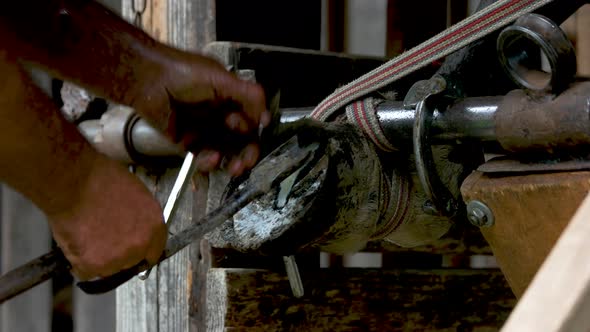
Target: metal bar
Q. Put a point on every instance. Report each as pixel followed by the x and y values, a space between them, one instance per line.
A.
pixel 470 118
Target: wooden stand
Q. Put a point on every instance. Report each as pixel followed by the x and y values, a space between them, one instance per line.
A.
pixel 530 211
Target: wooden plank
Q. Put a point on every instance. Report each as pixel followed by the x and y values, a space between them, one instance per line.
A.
pixel 93 313
pixel 359 300
pixel 530 213
pixel 161 303
pixel 25 235
pixel 200 258
pixel 558 298
pixel 136 300
pixel 164 301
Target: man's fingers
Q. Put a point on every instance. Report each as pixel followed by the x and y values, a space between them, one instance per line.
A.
pixel 236 122
pixel 247 94
pixel 208 160
pixel 250 155
pixel 236 167
pixel 245 160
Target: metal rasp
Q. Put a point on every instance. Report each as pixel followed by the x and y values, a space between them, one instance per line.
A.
pixel 270 172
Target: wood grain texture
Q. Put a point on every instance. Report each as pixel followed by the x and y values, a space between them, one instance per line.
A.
pixel 359 300
pixel 24 236
pixel 166 300
pixel 530 212
pixel 558 298
pixel 174 275
pixel 93 313
pixel 200 259
pixel 137 307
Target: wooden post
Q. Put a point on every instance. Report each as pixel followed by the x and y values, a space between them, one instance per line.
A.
pixel 93 313
pixel 170 300
pixel 25 235
pixel 558 299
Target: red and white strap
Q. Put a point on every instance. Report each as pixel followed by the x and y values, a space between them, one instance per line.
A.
pixel 459 35
pixel 363 113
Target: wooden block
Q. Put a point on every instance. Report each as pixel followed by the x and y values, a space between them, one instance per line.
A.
pixel 558 298
pixel 530 213
pixel 358 300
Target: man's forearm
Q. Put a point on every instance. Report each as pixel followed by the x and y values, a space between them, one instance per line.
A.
pixel 42 155
pixel 83 42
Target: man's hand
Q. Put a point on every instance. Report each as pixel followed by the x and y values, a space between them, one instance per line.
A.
pixel 102 217
pixel 114 224
pixel 196 101
pixel 189 96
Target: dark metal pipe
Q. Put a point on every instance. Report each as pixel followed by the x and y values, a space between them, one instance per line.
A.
pixel 470 118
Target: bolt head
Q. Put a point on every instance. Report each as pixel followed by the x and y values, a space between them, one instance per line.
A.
pixel 479 214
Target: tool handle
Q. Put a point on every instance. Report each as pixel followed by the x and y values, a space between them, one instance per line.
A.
pixel 111 282
pixel 32 273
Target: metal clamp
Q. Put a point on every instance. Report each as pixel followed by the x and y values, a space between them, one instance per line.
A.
pixel 441 201
pixel 532 41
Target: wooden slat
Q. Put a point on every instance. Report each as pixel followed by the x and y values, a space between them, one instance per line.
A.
pixel 93 313
pixel 558 298
pixel 25 235
pixel 530 212
pixel 167 300
pixel 359 300
pixel 137 301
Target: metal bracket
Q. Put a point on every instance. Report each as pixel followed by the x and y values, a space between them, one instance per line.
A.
pixel 441 201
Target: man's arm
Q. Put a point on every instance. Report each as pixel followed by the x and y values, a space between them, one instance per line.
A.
pixel 84 42
pixel 101 216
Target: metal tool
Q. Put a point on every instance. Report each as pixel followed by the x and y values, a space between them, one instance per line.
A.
pixel 270 172
pixel 185 174
pixel 290 263
pixel 294 276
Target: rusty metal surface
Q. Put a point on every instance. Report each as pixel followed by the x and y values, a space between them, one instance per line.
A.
pixel 542 123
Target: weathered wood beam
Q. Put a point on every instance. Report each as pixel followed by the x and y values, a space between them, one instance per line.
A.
pixel 169 299
pixel 359 299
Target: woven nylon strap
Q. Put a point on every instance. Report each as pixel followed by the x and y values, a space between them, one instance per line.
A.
pixel 363 114
pixel 458 36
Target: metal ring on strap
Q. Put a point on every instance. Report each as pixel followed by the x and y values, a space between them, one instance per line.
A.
pixel 525 45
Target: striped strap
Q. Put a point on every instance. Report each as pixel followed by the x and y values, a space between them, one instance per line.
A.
pixel 458 36
pixel 363 114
